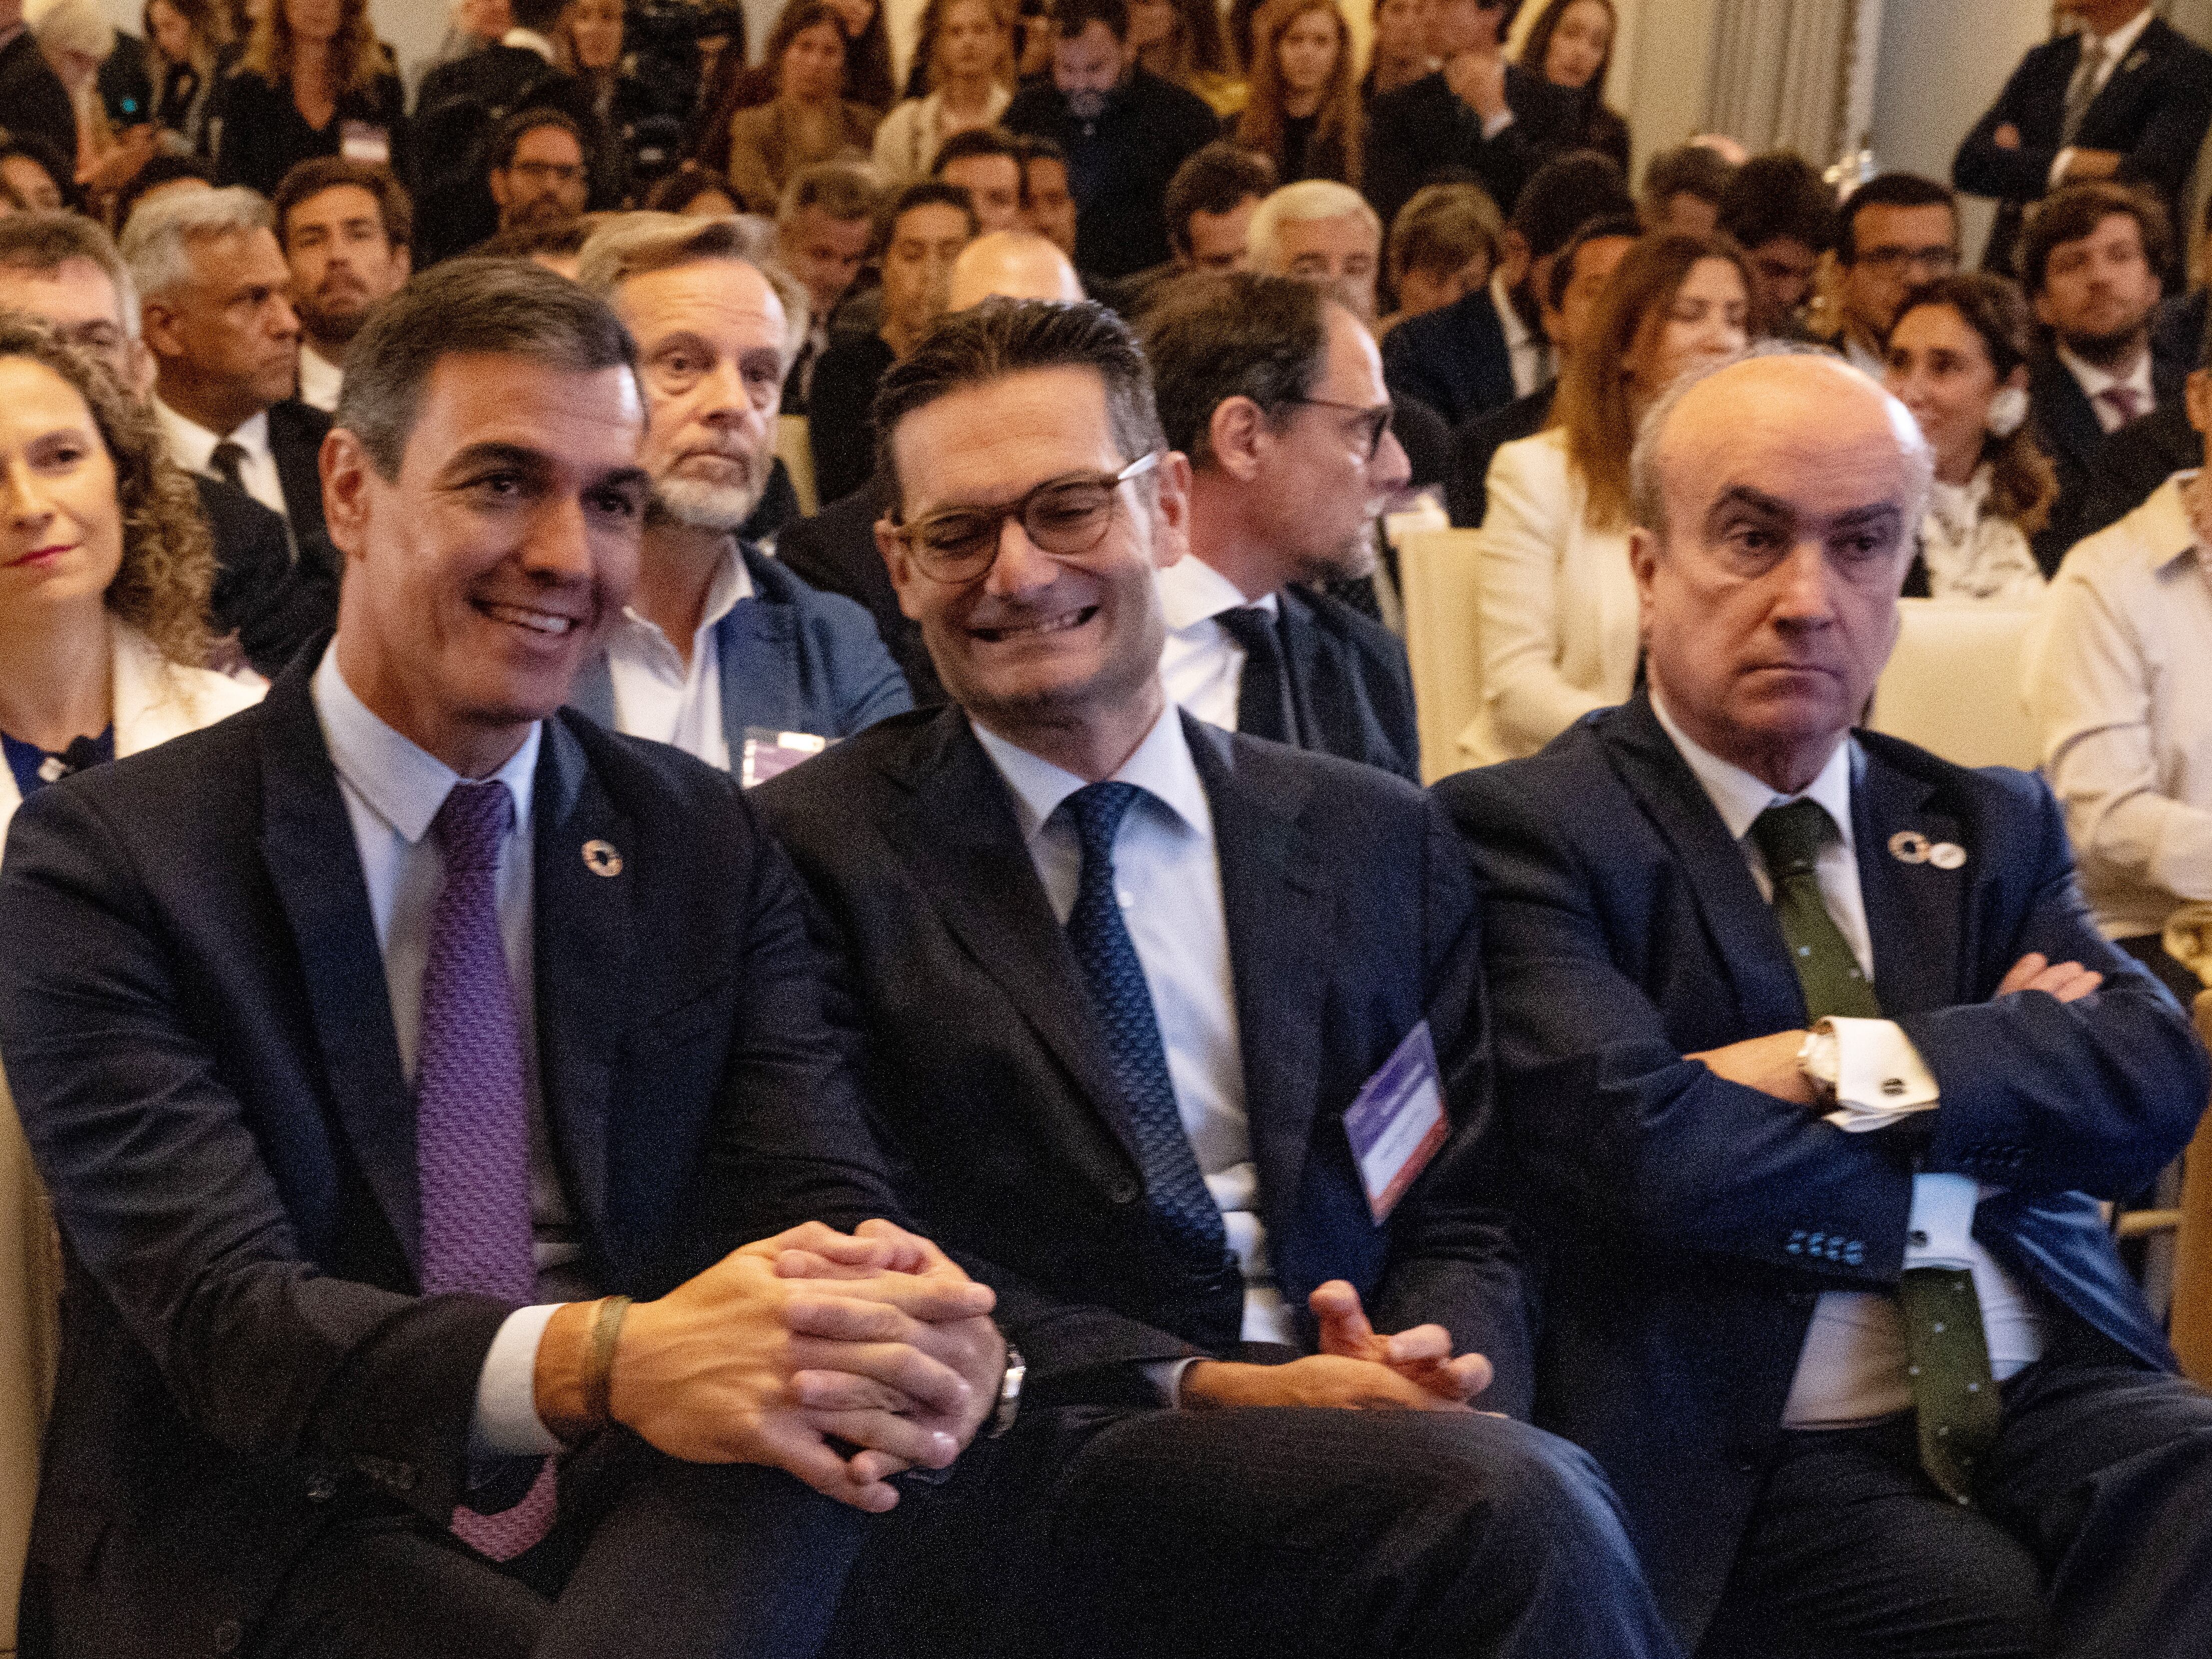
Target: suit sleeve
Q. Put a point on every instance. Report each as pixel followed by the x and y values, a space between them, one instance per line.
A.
pixel 2166 149
pixel 1982 168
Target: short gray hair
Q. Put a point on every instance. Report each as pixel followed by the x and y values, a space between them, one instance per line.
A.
pixel 42 243
pixel 631 244
pixel 1647 490
pixel 155 241
pixel 1301 203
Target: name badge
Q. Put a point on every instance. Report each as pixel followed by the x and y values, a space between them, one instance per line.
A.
pixel 365 142
pixel 1397 1123
pixel 767 753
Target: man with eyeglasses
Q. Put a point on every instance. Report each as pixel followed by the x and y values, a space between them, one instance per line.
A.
pixel 539 171
pixel 1898 230
pixel 1275 392
pixel 1179 1040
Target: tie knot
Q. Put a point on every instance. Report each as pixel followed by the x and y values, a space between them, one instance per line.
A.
pixel 227 459
pixel 473 822
pixel 1251 626
pixel 1098 809
pixel 1790 838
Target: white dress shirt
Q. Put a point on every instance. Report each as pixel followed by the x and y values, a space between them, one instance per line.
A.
pixel 2095 382
pixel 1168 878
pixel 657 695
pixel 2103 56
pixel 392 791
pixel 1528 351
pixel 1201 663
pixel 1851 1368
pixel 192 447
pixel 2118 673
pixel 321 379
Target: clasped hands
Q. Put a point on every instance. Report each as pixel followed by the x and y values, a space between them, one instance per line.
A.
pixel 1355 1369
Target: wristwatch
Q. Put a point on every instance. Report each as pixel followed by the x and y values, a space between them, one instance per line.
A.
pixel 1009 1392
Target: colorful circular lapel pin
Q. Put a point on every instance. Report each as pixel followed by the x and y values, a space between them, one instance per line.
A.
pixel 1909 847
pixel 601 859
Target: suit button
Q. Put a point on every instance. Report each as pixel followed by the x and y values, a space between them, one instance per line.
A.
pixel 1123 1192
pixel 322 1489
pixel 228 1635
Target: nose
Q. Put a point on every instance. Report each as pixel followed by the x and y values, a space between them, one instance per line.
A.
pixel 557 545
pixel 22 501
pixel 1803 600
pixel 725 396
pixel 1021 567
pixel 1390 469
pixel 283 321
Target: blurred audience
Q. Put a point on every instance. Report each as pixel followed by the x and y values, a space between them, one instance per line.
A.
pixel 314 81
pixel 1684 187
pixel 1183 42
pixel 36 105
pixel 637 118
pixel 1782 215
pixel 77 40
pixel 503 70
pixel 540 169
pixel 986 163
pixel 970 72
pixel 1893 232
pixel 1305 113
pixel 1399 51
pixel 347 230
pixel 191 47
pixel 824 227
pixel 1443 247
pixel 808 120
pixel 1323 233
pixel 1570 46
pixel 1047 198
pixel 33 172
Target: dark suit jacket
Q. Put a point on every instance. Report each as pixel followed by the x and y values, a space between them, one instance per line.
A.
pixel 274 602
pixel 841 425
pixel 33 101
pixel 1688 1223
pixel 1350 679
pixel 1454 359
pixel 2133 462
pixel 297 431
pixel 1475 444
pixel 193 1012
pixel 836 551
pixel 1351 917
pixel 2066 425
pixel 1418 132
pixel 791 659
pixel 2153 110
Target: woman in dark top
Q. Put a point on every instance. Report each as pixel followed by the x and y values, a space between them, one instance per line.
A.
pixel 625 105
pixel 1304 114
pixel 1571 47
pixel 314 81
pixel 192 42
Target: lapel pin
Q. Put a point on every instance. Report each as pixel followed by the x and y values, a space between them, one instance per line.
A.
pixel 601 859
pixel 1909 847
pixel 1947 855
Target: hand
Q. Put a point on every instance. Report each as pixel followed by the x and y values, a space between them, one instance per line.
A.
pixel 2007 136
pixel 2070 982
pixel 1326 1380
pixel 1422 1355
pixel 2092 164
pixel 1768 1064
pixel 1478 80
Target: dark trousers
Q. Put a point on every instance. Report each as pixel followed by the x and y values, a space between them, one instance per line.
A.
pixel 1273 1533
pixel 2091 1533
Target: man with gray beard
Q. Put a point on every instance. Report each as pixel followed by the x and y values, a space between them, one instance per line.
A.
pixel 721 651
pixel 1275 392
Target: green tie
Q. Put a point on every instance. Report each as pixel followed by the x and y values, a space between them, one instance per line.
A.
pixel 1947 1354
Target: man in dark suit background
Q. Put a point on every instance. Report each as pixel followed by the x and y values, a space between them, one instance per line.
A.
pixel 1835 1309
pixel 1275 391
pixel 1116 977
pixel 2125 96
pixel 32 99
pixel 351 1027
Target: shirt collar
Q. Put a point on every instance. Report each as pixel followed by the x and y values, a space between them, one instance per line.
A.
pixel 1192 592
pixel 191 446
pixel 730 582
pixel 2114 46
pixel 1517 334
pixel 404 785
pixel 1161 766
pixel 2167 534
pixel 531 40
pixel 1739 798
pixel 2095 381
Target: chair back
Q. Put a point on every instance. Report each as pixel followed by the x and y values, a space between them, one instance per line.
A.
pixel 1437 580
pixel 1952 684
pixel 2191 1324
pixel 797 455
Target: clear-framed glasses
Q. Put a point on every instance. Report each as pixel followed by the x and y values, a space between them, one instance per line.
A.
pixel 1926 262
pixel 1374 419
pixel 1065 517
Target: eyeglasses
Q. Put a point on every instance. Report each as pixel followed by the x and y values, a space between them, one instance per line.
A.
pixel 1936 261
pixel 548 172
pixel 1065 517
pixel 1374 417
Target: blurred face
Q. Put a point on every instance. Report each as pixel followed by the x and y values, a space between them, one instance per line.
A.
pixel 1340 255
pixel 1769 604
pixel 1705 323
pixel 1420 291
pixel 918 265
pixel 1321 478
pixel 1036 637
pixel 487 19
pixel 1088 67
pixel 709 204
pixel 826 254
pixel 855 16
pixel 173 35
pixel 1152 23
pixel 595 26
pixel 1216 240
pixel 545 183
pixel 342 261
pixel 478 578
pixel 969 40
pixel 80 300
pixel 314 20
pixel 1307 53
pixel 61 526
pixel 1048 207
pixel 2098 292
pixel 1782 271
pixel 1578 43
pixel 710 337
pixel 813 68
pixel 32 184
pixel 1458 26
pixel 1940 369
pixel 1595 261
pixel 1895 248
pixel 1401 29
pixel 230 333
pixel 995 182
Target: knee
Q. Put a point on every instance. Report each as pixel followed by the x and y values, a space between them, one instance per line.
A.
pixel 1535 1482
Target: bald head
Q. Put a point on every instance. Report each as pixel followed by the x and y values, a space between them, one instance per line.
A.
pixel 1011 264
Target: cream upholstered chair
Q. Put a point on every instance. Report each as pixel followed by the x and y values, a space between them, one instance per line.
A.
pixel 798 458
pixel 2190 1223
pixel 1437 582
pixel 1953 683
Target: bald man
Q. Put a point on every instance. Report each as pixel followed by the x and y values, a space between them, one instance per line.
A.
pixel 1817 1067
pixel 1014 264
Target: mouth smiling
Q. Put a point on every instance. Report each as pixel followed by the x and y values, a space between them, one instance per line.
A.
pixel 553 624
pixel 1059 623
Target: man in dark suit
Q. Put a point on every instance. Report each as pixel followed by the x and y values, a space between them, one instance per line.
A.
pixel 2126 96
pixel 350 1027
pixel 1836 1309
pixel 32 99
pixel 2090 262
pixel 1082 940
pixel 1275 391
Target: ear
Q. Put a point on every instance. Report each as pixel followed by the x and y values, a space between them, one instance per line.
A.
pixel 138 371
pixel 2041 302
pixel 1233 430
pixel 898 560
pixel 497 178
pixel 1512 258
pixel 349 477
pixel 1171 512
pixel 157 329
pixel 2017 381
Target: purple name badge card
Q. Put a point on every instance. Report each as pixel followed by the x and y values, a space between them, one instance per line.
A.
pixel 1397 1124
pixel 769 754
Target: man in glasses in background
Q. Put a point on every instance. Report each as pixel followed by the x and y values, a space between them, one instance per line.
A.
pixel 1179 1038
pixel 1275 391
pixel 1897 231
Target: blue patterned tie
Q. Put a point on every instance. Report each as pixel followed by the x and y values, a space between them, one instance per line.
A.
pixel 1108 960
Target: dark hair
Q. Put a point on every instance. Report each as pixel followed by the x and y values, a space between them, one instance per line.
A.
pixel 1440 228
pixel 1538 47
pixel 1698 170
pixel 840 190
pixel 793 21
pixel 1198 45
pixel 1235 334
pixel 1001 338
pixel 2070 214
pixel 924 192
pixel 2023 483
pixel 505 307
pixel 1564 195
pixel 1213 178
pixel 560 237
pixel 524 122
pixel 34 147
pixel 684 187
pixel 1036 146
pixel 542 17
pixel 1562 274
pixel 1779 194
pixel 1072 17
pixel 394 208
pixel 1900 189
pixel 977 141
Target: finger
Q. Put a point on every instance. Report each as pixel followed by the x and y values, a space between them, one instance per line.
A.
pixel 1343 1328
pixel 1424 1344
pixel 1471 1372
pixel 900 1438
pixel 806 1264
pixel 923 1254
pixel 2088 981
pixel 843 1391
pixel 936 1298
pixel 933 1387
pixel 876 1466
pixel 2023 973
pixel 2067 981
pixel 794 1446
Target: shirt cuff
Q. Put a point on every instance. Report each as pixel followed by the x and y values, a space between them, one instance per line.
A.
pixel 2058 167
pixel 1494 125
pixel 1166 1377
pixel 506 1422
pixel 1876 1073
pixel 1940 1229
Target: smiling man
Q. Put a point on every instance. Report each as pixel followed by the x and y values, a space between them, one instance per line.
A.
pixel 1815 1065
pixel 346 228
pixel 378 1048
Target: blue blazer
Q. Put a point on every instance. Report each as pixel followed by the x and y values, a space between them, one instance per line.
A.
pixel 1454 359
pixel 794 659
pixel 1687 1224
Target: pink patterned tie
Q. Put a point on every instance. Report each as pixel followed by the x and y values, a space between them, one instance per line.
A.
pixel 2124 401
pixel 471 1112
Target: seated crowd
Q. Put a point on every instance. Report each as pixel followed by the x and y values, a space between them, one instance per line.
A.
pixel 719 932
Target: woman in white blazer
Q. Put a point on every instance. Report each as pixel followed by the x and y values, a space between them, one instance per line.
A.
pixel 1556 610
pixel 105 568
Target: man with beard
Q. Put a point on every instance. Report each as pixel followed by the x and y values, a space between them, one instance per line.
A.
pixel 721 651
pixel 2090 262
pixel 346 228
pixel 540 169
pixel 1275 391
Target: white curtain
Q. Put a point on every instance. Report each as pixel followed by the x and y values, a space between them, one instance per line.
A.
pixel 1780 74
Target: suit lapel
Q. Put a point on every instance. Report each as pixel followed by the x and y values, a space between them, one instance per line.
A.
pixel 2069 420
pixel 592 693
pixel 308 842
pixel 758 648
pixel 1913 903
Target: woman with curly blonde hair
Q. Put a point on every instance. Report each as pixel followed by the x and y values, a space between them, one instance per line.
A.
pixel 105 568
pixel 1304 114
pixel 314 81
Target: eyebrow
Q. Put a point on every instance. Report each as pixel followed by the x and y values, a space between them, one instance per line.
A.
pixel 1748 498
pixel 523 457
